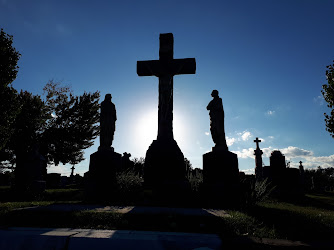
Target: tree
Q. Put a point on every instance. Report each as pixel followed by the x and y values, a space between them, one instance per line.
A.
pixel 8 59
pixel 63 125
pixel 72 124
pixel 9 106
pixel 188 165
pixel 319 179
pixel 328 94
pixel 28 126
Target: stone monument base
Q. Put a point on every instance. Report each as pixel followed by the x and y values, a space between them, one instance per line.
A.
pixel 101 177
pixel 221 178
pixel 165 170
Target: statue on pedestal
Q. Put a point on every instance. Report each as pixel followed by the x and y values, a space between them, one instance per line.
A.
pixel 217 121
pixel 220 166
pixel 103 164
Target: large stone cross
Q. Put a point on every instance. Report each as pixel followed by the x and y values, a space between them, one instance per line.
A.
pixel 165 68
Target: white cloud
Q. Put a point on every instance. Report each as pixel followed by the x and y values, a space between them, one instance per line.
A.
pixel 245 153
pixel 206 133
pixel 230 141
pixel 323 161
pixel 308 158
pixel 248 171
pixel 289 152
pixel 267 151
pixel 270 112
pixel 60 169
pixel 319 100
pixel 246 135
pixel 293 152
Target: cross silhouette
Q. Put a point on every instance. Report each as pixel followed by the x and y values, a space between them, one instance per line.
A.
pixel 165 68
pixel 257 142
pixel 72 168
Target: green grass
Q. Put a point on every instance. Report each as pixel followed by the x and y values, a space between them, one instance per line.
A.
pixel 311 218
pixel 9 206
pixel 64 195
pixel 243 224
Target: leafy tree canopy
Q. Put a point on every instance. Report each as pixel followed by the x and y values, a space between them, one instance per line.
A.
pixel 62 124
pixel 8 59
pixel 328 94
pixel 72 123
pixel 9 106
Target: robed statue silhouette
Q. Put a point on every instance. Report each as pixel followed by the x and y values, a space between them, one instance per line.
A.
pixel 217 117
pixel 107 123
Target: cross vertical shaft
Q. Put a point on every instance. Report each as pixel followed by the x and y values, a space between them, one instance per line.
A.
pixel 258 159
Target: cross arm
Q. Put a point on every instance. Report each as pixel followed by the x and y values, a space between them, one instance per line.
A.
pixel 166 67
pixel 184 66
pixel 148 68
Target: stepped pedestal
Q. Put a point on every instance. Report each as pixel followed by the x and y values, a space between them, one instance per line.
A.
pixel 221 177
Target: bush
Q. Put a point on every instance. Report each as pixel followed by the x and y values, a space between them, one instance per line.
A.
pixel 255 191
pixel 129 185
pixel 195 179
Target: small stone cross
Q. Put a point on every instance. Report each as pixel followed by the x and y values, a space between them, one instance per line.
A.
pixel 72 168
pixel 257 142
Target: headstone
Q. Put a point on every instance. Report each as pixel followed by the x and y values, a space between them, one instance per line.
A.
pixel 258 160
pixel 30 173
pixel 276 172
pixel 291 185
pixel 287 181
pixel 105 162
pixel 220 166
pixel 165 169
pixel 277 160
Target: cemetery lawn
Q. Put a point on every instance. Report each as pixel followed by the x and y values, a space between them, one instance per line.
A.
pixel 308 219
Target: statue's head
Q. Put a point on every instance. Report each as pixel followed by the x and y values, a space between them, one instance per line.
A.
pixel 214 93
pixel 107 97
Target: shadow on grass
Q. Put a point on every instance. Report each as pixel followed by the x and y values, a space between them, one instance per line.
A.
pixel 116 221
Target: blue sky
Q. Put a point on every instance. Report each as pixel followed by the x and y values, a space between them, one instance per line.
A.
pixel 266 58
